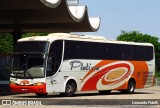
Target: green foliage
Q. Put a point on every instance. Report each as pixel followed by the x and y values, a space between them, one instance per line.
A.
pixel 6 43
pixel 157 74
pixel 34 34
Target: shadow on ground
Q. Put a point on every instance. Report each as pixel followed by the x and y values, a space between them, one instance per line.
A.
pixel 5 90
pixel 79 95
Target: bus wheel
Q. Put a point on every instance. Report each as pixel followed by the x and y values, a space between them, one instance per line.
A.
pixel 104 92
pixel 41 94
pixel 69 90
pixel 131 87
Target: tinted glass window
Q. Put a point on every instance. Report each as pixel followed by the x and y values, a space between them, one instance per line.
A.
pixel 55 57
pixel 106 51
pixel 114 51
pixel 31 46
pixel 56 49
pixel 149 52
pixel 127 52
pixel 78 50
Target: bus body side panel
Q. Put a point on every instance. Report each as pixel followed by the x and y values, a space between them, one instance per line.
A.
pixel 143 75
pixel 56 83
pixel 107 74
pixel 112 74
pixel 140 73
pixel 151 74
pixel 93 75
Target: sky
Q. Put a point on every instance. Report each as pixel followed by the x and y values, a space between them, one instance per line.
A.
pixel 128 15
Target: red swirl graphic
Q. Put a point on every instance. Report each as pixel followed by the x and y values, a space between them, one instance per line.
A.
pixel 91 83
pixel 24 82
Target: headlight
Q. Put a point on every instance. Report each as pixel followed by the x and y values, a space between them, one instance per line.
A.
pixel 39 83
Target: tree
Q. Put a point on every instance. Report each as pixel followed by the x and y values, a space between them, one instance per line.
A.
pixel 6 43
pixel 34 34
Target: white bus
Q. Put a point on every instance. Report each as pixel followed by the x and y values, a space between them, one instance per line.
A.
pixel 65 63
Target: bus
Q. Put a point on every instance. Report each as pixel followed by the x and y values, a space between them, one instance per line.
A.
pixel 67 63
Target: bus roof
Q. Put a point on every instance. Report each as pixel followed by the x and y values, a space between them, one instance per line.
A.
pixel 76 37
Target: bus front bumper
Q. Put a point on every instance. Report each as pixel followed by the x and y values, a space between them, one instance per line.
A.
pixel 28 89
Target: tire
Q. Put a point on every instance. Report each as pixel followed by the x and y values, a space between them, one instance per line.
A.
pixel 41 94
pixel 130 89
pixel 69 89
pixel 104 92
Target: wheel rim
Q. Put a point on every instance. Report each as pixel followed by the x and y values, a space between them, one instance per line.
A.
pixel 68 88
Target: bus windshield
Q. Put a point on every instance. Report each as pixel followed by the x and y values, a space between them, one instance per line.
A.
pixel 28 66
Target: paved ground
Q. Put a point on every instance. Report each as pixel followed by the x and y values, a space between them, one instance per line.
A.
pixel 142 98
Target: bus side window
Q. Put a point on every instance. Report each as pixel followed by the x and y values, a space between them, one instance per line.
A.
pixel 50 66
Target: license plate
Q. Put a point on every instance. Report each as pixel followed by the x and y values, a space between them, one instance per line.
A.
pixel 24 89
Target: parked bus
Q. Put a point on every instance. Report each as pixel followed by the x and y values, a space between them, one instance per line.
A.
pixel 66 63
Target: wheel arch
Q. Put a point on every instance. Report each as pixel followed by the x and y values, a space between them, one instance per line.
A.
pixel 132 79
pixel 70 80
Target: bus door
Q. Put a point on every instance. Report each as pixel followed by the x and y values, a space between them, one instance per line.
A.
pixel 53 64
